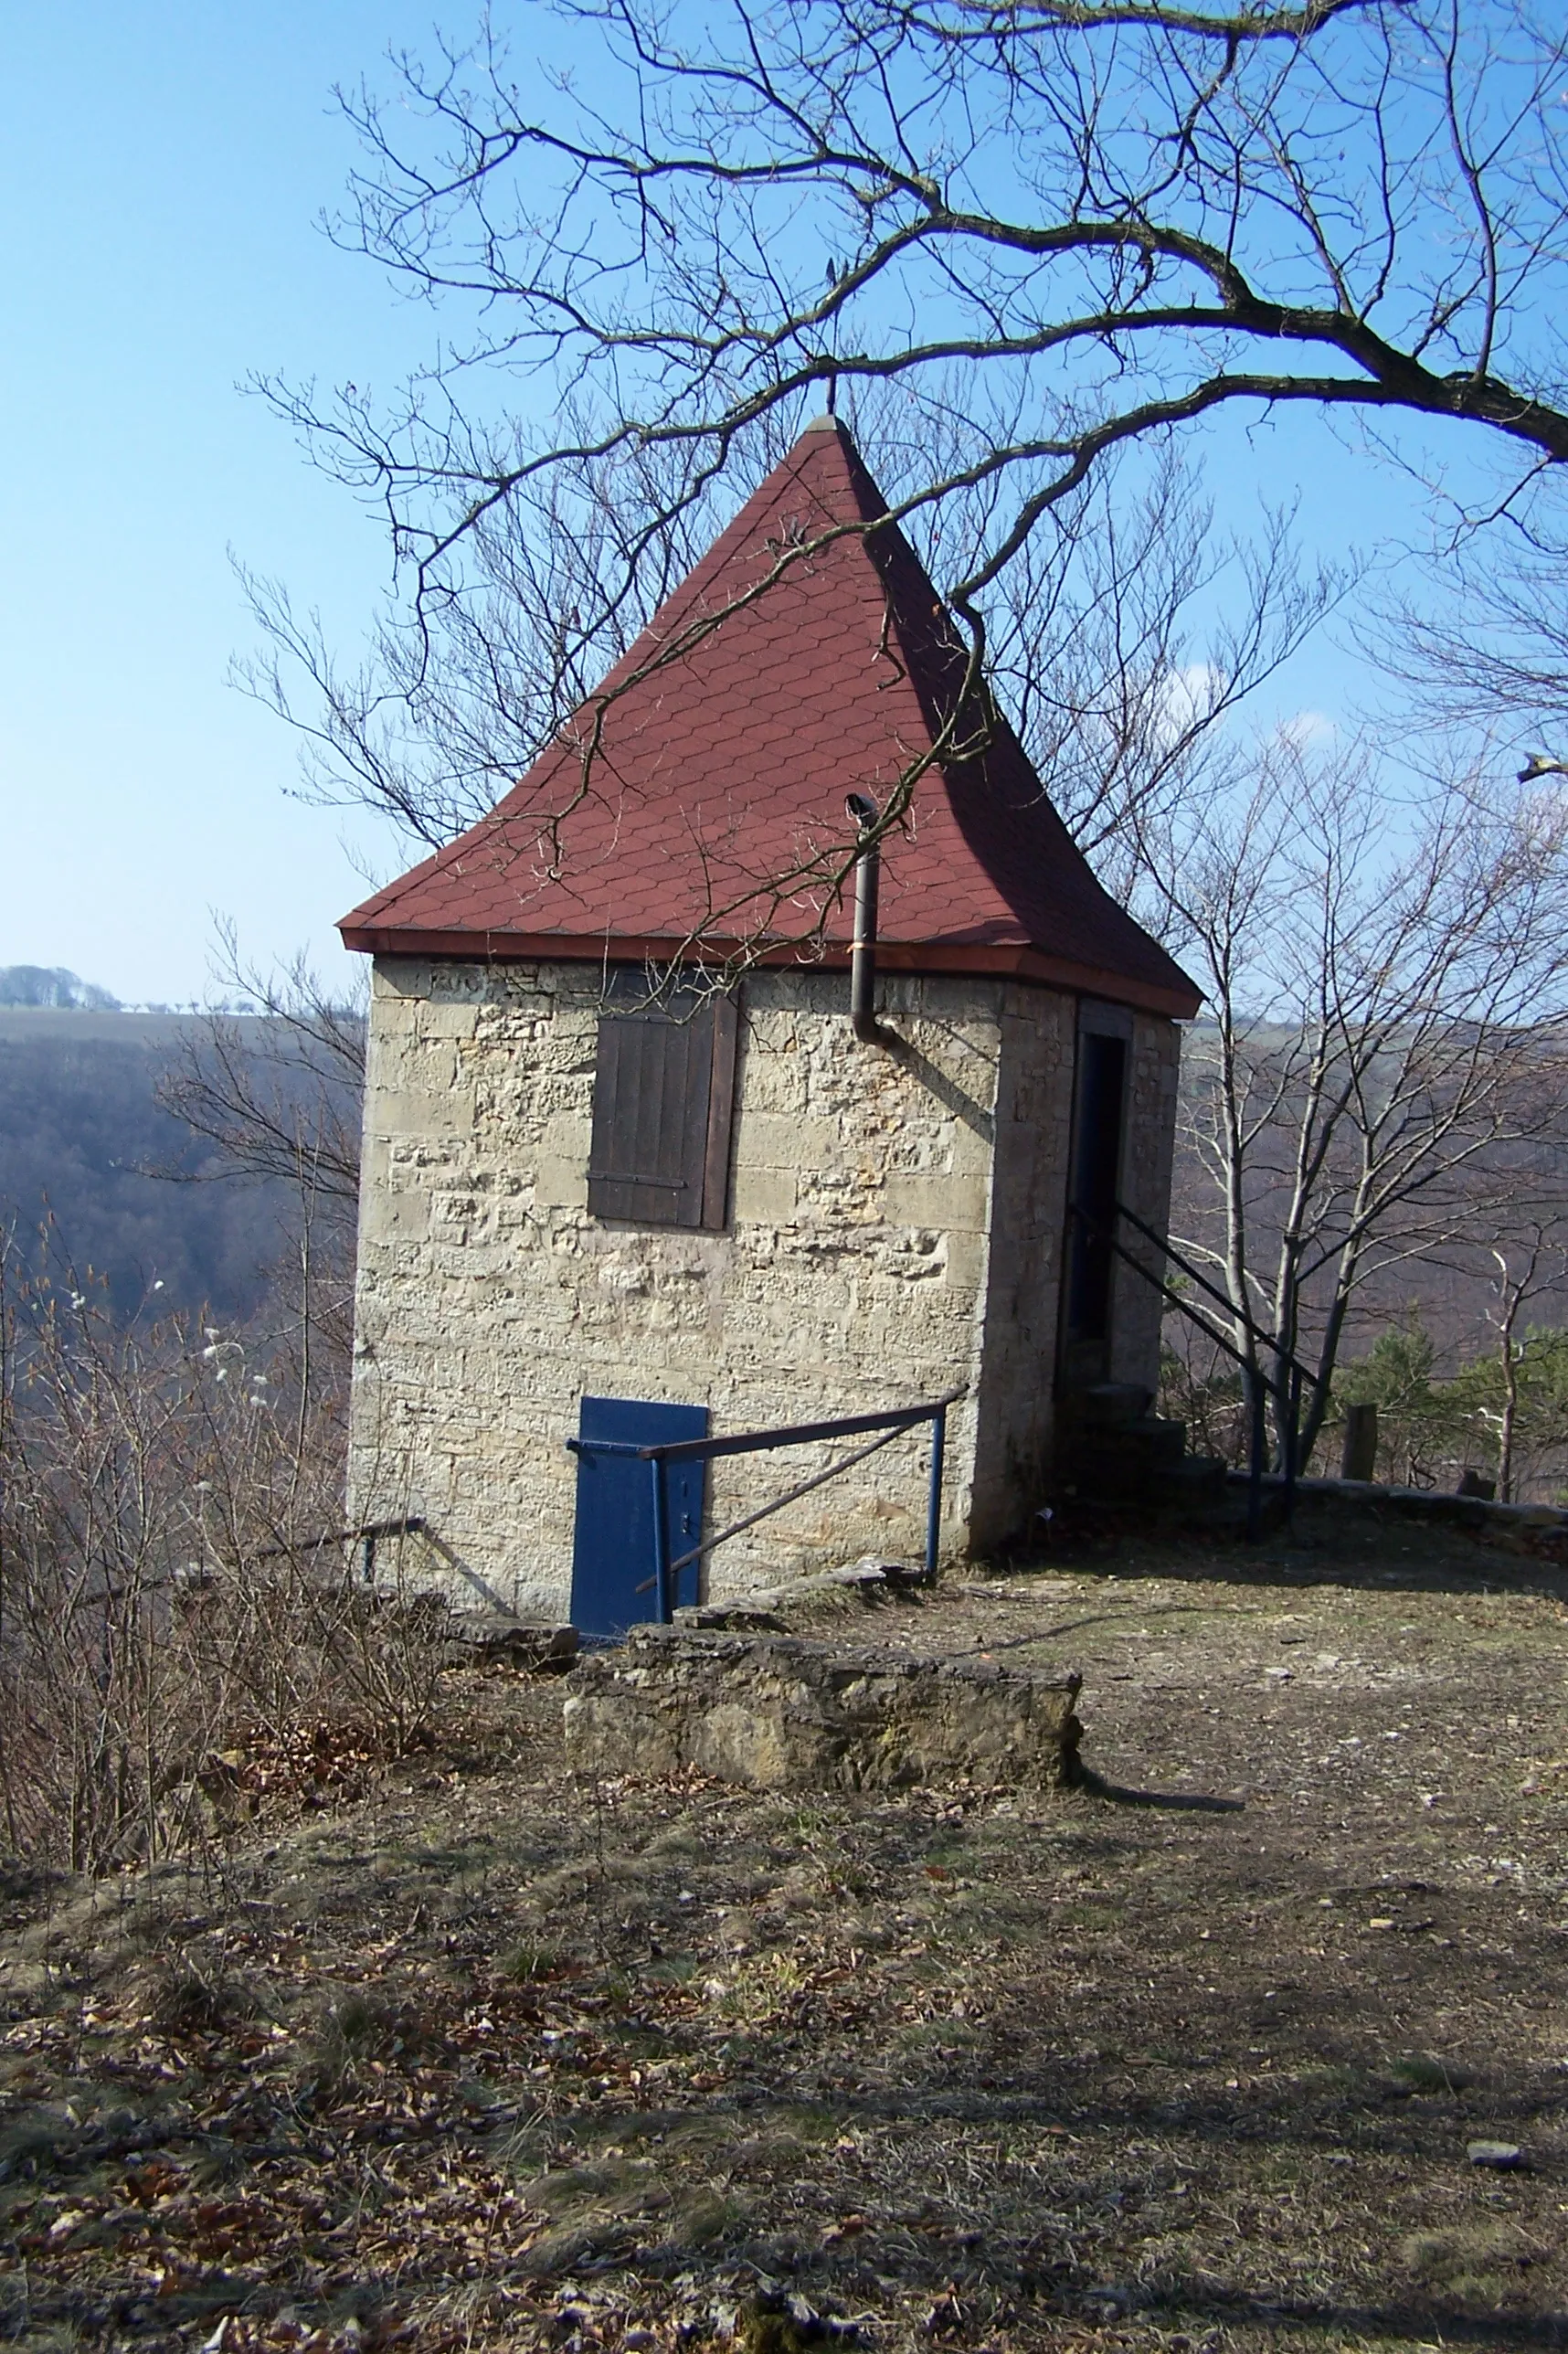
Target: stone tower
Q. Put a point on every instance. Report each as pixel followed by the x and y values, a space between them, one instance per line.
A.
pixel 622 1141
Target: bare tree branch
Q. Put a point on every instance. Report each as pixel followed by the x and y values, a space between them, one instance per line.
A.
pixel 1382 1083
pixel 1084 205
pixel 282 1098
pixel 1031 245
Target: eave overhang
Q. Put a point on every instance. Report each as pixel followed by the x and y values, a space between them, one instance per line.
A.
pixel 997 962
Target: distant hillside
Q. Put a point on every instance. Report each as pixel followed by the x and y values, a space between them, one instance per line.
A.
pixel 1452 1289
pixel 52 985
pixel 79 1123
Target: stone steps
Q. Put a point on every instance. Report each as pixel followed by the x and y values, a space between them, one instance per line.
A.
pixel 1116 1452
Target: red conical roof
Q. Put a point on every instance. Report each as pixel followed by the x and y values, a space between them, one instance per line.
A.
pixel 715 797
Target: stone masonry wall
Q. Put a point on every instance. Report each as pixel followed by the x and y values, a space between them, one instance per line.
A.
pixel 852 1274
pixel 1015 1426
pixel 1137 1307
pixel 856 1270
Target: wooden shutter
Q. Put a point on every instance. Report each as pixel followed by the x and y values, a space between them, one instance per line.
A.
pixel 663 1096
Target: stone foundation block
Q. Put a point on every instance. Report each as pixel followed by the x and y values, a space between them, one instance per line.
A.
pixel 779 1712
pixel 487 1635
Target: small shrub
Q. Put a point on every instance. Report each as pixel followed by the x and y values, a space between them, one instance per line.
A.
pixel 188 2000
pixel 355 2027
pixel 174 1633
pixel 530 1962
pixel 1424 2071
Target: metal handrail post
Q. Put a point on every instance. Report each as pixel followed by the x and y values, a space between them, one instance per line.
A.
pixel 934 1505
pixel 662 1453
pixel 664 1600
pixel 1167 1249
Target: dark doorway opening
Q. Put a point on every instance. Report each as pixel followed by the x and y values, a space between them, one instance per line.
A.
pixel 1096 1170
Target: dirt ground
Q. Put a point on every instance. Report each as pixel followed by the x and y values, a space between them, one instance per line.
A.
pixel 468 2054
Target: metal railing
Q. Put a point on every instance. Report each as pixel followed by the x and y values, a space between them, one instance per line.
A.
pixel 367 1535
pixel 1285 1387
pixel 661 1585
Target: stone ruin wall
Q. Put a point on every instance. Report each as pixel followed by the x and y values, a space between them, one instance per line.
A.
pixel 856 1271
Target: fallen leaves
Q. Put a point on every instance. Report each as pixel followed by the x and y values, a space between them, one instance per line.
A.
pixel 482 2059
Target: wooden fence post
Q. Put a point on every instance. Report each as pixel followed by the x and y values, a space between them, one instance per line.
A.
pixel 1359 1458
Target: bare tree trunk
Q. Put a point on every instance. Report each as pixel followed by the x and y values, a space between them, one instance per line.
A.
pixel 1510 1414
pixel 307 1223
pixel 1532 1267
pixel 1407 1069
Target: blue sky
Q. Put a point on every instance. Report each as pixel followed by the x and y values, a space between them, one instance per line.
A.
pixel 164 165
pixel 163 169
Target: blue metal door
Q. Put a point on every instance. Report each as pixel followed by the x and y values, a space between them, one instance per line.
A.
pixel 612 1548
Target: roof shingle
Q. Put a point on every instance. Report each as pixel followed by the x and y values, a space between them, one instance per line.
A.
pixel 711 810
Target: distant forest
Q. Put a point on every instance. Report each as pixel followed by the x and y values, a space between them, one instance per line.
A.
pixel 82 1133
pixel 52 985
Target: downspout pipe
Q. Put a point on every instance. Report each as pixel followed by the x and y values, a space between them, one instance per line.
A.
pixel 863 948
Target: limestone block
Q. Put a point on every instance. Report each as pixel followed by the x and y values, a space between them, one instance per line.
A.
pixel 424 1112
pixel 779 1712
pixel 483 984
pixel 921 1149
pixel 401 1059
pixel 760 1196
pixel 400 1215
pixel 562 1095
pixel 836 1200
pixel 410 1155
pixel 560 1181
pixel 772 1081
pixel 768 1139
pixel 395 1013
pixel 938 1199
pixel 489 1634
pixel 566 1131
pixel 434 1020
pixel 968 1258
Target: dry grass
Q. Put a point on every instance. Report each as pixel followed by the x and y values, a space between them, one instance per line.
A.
pixel 1188 2060
pixel 176 1639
